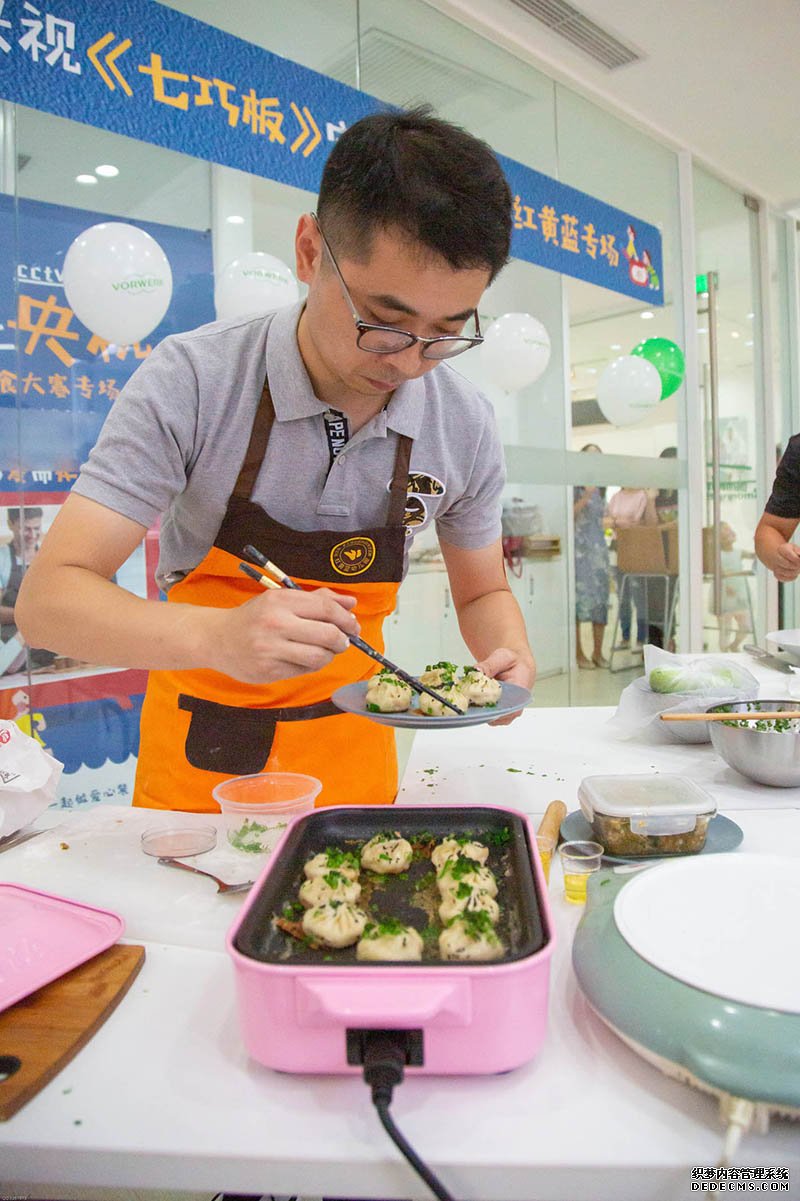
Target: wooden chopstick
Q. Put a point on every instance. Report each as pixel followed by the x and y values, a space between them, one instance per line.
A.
pixel 765 716
pixel 287 582
pixel 264 580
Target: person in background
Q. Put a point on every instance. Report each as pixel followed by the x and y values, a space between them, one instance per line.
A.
pixel 26 534
pixel 735 607
pixel 662 509
pixel 591 568
pixel 303 433
pixel 625 509
pixel 773 539
pixel 15 558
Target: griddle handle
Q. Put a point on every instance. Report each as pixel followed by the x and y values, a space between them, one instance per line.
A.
pixel 383 1002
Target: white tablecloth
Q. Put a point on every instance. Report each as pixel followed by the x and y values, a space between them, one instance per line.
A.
pixel 164 1096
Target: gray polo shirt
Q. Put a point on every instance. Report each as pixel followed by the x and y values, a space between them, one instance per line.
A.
pixel 175 439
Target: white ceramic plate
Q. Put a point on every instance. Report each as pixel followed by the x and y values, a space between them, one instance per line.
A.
pixel 720 923
pixel 351 699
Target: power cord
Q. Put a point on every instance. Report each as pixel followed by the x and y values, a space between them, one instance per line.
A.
pixel 384 1067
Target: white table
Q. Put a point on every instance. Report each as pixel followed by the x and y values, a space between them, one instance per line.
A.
pixel 166 1097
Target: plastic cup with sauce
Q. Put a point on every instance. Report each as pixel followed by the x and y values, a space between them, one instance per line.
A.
pixel 578 861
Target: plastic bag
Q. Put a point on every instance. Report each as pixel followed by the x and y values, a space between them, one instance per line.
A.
pixel 521 520
pixel 29 777
pixel 706 681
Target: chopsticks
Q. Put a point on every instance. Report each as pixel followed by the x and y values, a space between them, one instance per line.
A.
pixel 765 716
pixel 287 582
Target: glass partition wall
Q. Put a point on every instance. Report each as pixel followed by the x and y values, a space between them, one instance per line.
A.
pixel 209 214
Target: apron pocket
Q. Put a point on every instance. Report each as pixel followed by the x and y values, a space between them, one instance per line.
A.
pixel 227 738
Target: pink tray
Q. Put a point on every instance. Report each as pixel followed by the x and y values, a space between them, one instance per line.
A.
pixel 44 936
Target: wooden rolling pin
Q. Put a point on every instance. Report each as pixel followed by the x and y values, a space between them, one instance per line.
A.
pixel 765 716
pixel 550 824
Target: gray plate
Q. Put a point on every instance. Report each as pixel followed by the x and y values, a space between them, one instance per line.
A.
pixel 722 835
pixel 351 699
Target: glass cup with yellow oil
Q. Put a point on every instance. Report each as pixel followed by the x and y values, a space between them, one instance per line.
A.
pixel 578 861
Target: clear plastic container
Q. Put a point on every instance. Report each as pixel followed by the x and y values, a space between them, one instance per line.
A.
pixel 257 808
pixel 647 814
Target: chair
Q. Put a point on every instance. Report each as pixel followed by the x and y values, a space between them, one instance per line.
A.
pixel 646 553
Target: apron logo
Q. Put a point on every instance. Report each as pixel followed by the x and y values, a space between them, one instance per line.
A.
pixel 420 484
pixel 353 556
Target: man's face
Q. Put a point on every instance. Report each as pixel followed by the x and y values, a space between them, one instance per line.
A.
pixel 398 285
pixel 31 533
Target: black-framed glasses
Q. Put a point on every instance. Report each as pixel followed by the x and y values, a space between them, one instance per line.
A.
pixel 388 339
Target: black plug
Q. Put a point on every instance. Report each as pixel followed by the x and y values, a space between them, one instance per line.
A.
pixel 384 1062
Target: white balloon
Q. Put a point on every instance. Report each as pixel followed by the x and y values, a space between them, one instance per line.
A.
pixel 515 350
pixel 118 281
pixel 628 389
pixel 255 283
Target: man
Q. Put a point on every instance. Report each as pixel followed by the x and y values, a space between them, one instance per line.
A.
pixel 357 418
pixel 780 517
pixel 15 558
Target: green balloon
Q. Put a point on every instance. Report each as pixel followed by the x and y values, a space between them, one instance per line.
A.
pixel 667 358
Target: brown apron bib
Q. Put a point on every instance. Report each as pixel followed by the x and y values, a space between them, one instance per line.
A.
pixel 200 727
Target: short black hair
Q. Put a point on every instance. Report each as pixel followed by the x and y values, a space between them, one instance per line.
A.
pixel 14 514
pixel 441 187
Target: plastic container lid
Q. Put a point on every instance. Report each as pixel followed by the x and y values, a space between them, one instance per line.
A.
pixel 177 842
pixel 652 804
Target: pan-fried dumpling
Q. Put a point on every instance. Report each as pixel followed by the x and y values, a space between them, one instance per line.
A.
pixel 448 848
pixel 436 675
pixel 387 854
pixel 478 688
pixel 467 899
pixel 335 924
pixel 389 941
pixel 332 859
pixel 471 937
pixel 434 708
pixel 465 870
pixel 333 886
pixel 387 693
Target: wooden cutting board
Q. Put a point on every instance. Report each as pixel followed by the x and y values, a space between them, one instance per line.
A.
pixel 42 1033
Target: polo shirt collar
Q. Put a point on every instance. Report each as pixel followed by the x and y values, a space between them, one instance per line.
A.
pixel 293 395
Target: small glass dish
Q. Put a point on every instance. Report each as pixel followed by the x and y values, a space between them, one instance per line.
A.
pixel 178 842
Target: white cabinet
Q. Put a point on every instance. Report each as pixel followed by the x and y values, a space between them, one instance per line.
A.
pixel 424 627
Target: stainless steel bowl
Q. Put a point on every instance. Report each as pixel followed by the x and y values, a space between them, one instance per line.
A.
pixel 767 756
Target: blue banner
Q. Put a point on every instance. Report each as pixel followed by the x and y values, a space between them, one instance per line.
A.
pixel 58 380
pixel 155 74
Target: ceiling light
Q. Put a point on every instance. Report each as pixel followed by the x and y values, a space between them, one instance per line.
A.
pixel 616 346
pixel 735 333
pixel 107 170
pixel 702 330
pixel 749 342
pixel 750 316
pixel 235 219
pixel 648 316
pixel 86 179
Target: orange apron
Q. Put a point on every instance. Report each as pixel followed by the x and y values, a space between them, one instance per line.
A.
pixel 200 727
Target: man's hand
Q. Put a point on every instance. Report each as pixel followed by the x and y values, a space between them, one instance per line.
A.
pixel 786 562
pixel 510 667
pixel 281 633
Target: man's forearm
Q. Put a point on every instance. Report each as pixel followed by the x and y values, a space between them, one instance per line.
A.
pixel 495 620
pixel 89 618
pixel 768 541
